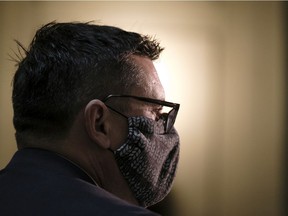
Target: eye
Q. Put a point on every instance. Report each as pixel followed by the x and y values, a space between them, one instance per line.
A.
pixel 157 111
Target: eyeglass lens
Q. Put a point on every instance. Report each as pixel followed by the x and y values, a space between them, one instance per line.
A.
pixel 170 119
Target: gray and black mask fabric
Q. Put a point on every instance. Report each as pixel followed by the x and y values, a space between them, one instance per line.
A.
pixel 148 159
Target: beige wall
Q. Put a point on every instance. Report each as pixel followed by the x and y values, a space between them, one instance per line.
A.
pixel 223 62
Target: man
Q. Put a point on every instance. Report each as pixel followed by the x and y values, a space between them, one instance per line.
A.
pixel 91 135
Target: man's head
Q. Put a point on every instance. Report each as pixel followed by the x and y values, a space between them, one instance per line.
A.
pixel 69 64
pixel 92 94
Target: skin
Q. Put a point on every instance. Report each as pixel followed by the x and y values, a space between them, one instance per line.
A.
pixel 151 88
pixel 97 129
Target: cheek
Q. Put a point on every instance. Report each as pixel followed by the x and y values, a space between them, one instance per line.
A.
pixel 144 111
pixel 148 113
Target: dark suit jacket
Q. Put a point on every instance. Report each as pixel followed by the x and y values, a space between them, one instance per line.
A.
pixel 40 183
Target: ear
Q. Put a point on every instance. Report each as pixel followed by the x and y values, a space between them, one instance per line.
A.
pixel 96 122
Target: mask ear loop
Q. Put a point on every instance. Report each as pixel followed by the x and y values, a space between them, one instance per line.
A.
pixel 113 151
pixel 117 111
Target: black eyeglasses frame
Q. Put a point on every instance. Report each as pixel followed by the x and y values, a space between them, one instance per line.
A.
pixel 169 118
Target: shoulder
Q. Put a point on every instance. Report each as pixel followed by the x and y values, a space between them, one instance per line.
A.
pixel 81 198
pixel 56 188
pixel 105 203
pixel 87 199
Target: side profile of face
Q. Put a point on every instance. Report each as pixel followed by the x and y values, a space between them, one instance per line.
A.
pixel 118 135
pixel 150 87
pixel 148 158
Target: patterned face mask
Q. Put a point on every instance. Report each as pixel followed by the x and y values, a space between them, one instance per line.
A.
pixel 148 159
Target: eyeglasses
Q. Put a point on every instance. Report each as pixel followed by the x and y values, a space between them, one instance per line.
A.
pixel 169 117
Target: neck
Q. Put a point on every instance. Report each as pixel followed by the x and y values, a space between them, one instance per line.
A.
pixel 102 167
pixel 98 163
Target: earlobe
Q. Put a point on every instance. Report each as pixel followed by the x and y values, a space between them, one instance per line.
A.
pixel 95 117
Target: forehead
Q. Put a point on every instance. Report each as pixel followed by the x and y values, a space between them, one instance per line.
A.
pixel 150 85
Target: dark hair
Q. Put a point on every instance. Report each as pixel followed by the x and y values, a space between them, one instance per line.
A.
pixel 66 66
